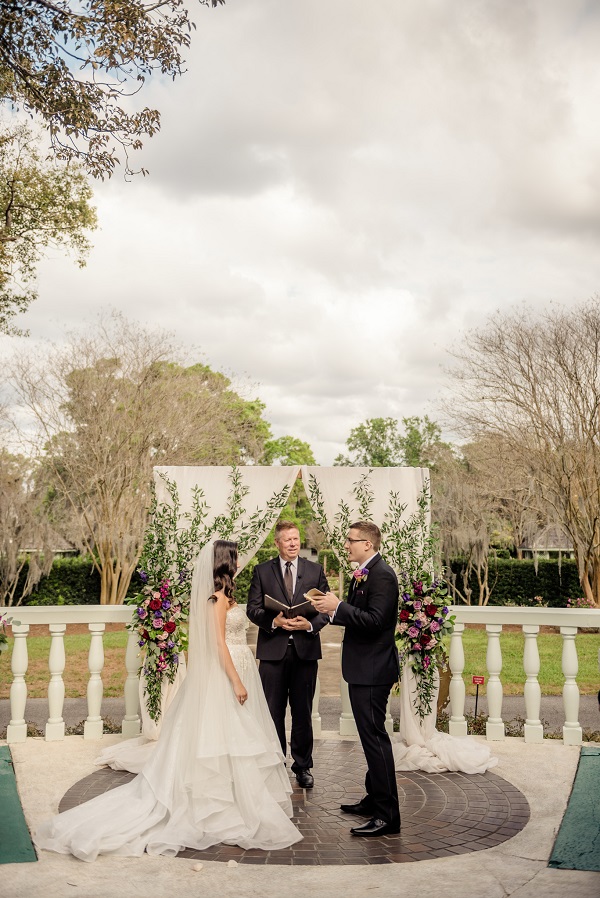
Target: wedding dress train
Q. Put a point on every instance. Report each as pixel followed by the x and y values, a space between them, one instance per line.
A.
pixel 419 746
pixel 216 773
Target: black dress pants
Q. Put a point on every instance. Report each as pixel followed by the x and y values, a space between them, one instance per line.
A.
pixel 292 679
pixel 369 704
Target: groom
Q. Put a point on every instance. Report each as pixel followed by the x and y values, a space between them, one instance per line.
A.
pixel 370 666
pixel 289 648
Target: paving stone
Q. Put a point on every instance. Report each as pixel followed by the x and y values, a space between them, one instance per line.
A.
pixel 443 814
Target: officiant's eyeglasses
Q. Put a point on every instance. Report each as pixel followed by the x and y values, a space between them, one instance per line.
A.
pixel 348 540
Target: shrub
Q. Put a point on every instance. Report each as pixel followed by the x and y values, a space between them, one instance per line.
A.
pixel 516 582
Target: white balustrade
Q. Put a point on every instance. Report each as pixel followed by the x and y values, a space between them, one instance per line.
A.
pixel 533 729
pixel 572 733
pixel 316 717
pixel 93 727
pixel 457 725
pixel 17 728
pixel 55 727
pixel 347 723
pixel 389 720
pixel 96 617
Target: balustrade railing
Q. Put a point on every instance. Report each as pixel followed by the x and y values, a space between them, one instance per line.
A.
pixel 493 618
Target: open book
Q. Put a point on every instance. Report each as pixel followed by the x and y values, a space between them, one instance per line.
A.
pixel 288 610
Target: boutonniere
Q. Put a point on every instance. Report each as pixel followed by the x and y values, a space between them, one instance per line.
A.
pixel 360 574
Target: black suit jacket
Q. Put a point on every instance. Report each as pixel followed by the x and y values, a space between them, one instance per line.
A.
pixel 267 579
pixel 369 653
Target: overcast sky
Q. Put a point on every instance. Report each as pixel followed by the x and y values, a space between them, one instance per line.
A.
pixel 340 189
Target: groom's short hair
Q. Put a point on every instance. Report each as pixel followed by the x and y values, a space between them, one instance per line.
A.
pixel 369 531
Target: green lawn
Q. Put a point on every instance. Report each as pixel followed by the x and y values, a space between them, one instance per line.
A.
pixel 550 648
pixel 475 644
pixel 76 673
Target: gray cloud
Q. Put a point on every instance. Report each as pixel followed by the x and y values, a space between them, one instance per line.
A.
pixel 341 189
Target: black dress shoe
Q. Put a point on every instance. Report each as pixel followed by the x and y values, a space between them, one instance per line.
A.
pixel 305 779
pixel 360 809
pixel 375 827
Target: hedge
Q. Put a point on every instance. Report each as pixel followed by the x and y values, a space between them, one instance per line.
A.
pixel 72 581
pixel 516 581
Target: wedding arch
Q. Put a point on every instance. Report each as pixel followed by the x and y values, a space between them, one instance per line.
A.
pixel 194 504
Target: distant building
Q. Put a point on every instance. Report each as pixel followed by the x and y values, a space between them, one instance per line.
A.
pixel 550 542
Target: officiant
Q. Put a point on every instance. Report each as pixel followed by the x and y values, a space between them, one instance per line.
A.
pixel 289 647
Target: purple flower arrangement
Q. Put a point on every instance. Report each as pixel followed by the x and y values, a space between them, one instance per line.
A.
pixel 423 620
pixel 159 618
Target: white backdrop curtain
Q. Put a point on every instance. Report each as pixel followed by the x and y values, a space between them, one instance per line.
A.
pixel 215 481
pixel 262 484
pixel 337 485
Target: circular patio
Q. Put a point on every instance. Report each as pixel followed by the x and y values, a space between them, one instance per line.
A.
pixel 443 814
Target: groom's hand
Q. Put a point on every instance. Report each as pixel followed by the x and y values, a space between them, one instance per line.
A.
pixel 326 604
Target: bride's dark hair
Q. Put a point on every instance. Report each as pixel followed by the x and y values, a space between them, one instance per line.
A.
pixel 225 565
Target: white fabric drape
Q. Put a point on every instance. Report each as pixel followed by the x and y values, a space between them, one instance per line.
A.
pixel 419 746
pixel 262 483
pixel 337 485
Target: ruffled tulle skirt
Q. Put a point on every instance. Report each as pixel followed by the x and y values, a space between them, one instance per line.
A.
pixel 215 775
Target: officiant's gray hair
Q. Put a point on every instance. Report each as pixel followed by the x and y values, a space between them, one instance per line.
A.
pixel 368 530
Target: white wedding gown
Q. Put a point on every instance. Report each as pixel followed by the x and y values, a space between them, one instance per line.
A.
pixel 216 774
pixel 419 746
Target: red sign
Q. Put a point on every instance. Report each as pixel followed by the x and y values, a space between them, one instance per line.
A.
pixel 478 681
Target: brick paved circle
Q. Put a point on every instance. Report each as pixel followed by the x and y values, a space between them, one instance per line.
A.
pixel 443 814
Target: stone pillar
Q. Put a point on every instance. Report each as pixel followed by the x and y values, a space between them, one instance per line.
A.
pixel 17 728
pixel 494 728
pixel 93 727
pixel 55 726
pixel 534 731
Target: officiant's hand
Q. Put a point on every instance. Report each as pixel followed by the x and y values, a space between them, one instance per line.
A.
pixel 298 623
pixel 326 604
pixel 280 621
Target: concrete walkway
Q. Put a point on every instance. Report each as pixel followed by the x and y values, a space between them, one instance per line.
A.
pixel 518 867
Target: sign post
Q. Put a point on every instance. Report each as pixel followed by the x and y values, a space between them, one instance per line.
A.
pixel 477 682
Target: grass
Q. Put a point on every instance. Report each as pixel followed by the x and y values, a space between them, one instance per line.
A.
pixel 76 673
pixel 550 677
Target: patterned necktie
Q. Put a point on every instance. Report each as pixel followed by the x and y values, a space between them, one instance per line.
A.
pixel 289 581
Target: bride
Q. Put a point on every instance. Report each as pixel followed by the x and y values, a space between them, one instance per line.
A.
pixel 216 773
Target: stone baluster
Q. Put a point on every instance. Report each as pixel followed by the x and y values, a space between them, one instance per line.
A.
pixel 347 723
pixel 316 717
pixel 494 728
pixel 389 720
pixel 572 732
pixel 17 728
pixel 93 728
pixel 458 724
pixel 533 730
pixel 55 726
pixel 131 724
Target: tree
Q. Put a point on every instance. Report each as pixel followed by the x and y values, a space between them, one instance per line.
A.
pixel 288 450
pixel 42 204
pixel 24 529
pixel 534 381
pixel 379 442
pixel 110 406
pixel 75 64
